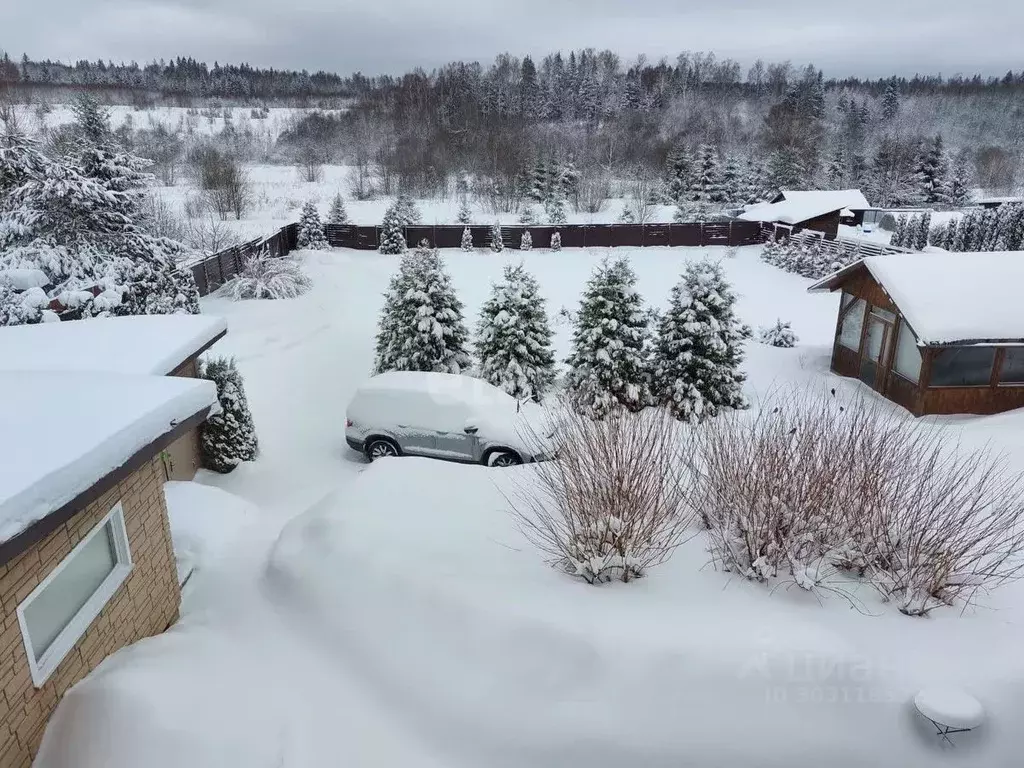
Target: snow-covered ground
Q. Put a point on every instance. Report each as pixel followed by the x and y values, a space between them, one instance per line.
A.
pixel 393 616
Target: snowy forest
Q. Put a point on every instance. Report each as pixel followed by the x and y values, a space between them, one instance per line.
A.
pixel 661 128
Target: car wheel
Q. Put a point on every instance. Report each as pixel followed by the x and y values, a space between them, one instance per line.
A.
pixel 505 459
pixel 378 449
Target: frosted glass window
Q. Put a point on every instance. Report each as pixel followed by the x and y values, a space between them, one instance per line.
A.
pixel 963 367
pixel 853 323
pixel 1013 366
pixel 873 340
pixel 908 355
pixel 59 611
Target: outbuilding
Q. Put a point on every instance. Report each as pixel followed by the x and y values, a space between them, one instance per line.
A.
pixel 819 210
pixel 938 333
pixel 89 411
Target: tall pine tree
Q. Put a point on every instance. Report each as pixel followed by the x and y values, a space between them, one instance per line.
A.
pixel 698 348
pixel 421 326
pixel 514 337
pixel 311 231
pixel 608 364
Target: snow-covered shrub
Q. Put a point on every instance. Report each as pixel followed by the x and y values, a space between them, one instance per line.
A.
pixel 17 308
pixel 817 492
pixel 698 348
pixel 421 325
pixel 778 335
pixel 467 239
pixel 337 214
pixel 888 223
pixel 556 241
pixel 608 364
pixel 514 337
pixel 526 241
pixel 497 242
pixel 264 277
pixel 392 240
pixel 614 503
pixel 627 216
pixel 311 230
pixel 228 438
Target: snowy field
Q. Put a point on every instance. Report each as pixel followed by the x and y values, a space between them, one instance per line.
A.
pixel 394 617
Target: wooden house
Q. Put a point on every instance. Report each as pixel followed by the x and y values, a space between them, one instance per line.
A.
pixel 938 333
pixel 818 210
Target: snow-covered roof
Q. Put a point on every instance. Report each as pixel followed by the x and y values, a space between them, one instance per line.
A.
pixel 63 433
pixel 797 207
pixel 998 200
pixel 153 344
pixel 950 298
pixel 840 198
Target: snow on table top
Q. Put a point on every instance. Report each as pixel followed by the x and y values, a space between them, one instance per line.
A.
pixel 955 297
pixel 950 707
pixel 63 433
pixel 150 344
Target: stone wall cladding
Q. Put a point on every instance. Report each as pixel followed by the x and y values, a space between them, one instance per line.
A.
pixel 146 604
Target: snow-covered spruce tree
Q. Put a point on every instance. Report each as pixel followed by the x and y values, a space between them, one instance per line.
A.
pixel 706 185
pixel 465 215
pixel 497 242
pixel 229 438
pixel 311 230
pixel 608 364
pixel 677 174
pixel 406 210
pixel 778 335
pixel 79 218
pixel 526 241
pixel 392 241
pixel 627 216
pixel 555 209
pixel 960 183
pixel 698 348
pixel 467 239
pixel 924 227
pixel 421 325
pixel 900 235
pixel 337 214
pixel 528 215
pixel 556 241
pixel 732 181
pixel 514 337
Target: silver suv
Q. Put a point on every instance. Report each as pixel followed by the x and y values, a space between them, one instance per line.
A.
pixel 444 416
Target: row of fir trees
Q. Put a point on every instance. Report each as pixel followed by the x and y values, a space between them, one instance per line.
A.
pixel 624 355
pixel 995 229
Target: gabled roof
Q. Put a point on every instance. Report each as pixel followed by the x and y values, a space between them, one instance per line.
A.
pixel 951 299
pixel 153 344
pixel 841 198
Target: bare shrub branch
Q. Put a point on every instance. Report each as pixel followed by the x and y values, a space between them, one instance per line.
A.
pixel 264 277
pixel 807 487
pixel 615 502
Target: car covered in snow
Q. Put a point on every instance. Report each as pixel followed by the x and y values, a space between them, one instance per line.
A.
pixel 445 416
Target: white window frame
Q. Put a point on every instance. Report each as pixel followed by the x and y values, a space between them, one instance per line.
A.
pixel 42 668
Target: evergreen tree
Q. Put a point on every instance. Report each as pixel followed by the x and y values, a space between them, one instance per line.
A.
pixel 960 183
pixel 392 240
pixel 608 366
pixel 835 174
pixel 337 214
pixel 964 237
pixel 733 190
pixel 556 241
pixel 785 171
pixel 778 335
pixel 465 215
pixel 754 183
pixel 406 210
pixel 421 325
pixel 311 231
pixel 986 240
pixel 526 242
pixel 698 348
pixel 228 438
pixel 952 232
pixel 497 241
pixel 528 215
pixel 707 177
pixel 555 209
pixel 924 226
pixel 514 337
pixel 677 174
pixel 890 102
pixel 467 239
pixel 932 173
pixel 540 182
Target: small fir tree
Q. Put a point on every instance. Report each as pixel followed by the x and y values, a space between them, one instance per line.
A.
pixel 555 209
pixel 960 184
pixel 706 185
pixel 406 210
pixel 526 241
pixel 608 364
pixel 337 214
pixel 467 239
pixel 229 438
pixel 392 241
pixel 924 226
pixel 421 325
pixel 699 347
pixel 778 335
pixel 465 215
pixel 528 215
pixel 497 242
pixel 514 337
pixel 556 241
pixel 311 231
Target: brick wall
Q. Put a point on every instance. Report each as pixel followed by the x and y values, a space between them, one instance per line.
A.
pixel 146 604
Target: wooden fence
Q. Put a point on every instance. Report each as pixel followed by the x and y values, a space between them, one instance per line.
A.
pixel 573 235
pixel 845 249
pixel 213 271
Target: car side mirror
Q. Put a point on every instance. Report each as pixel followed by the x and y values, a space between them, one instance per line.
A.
pixel 471 429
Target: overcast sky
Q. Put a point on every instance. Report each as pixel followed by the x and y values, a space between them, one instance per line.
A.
pixel 855 37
